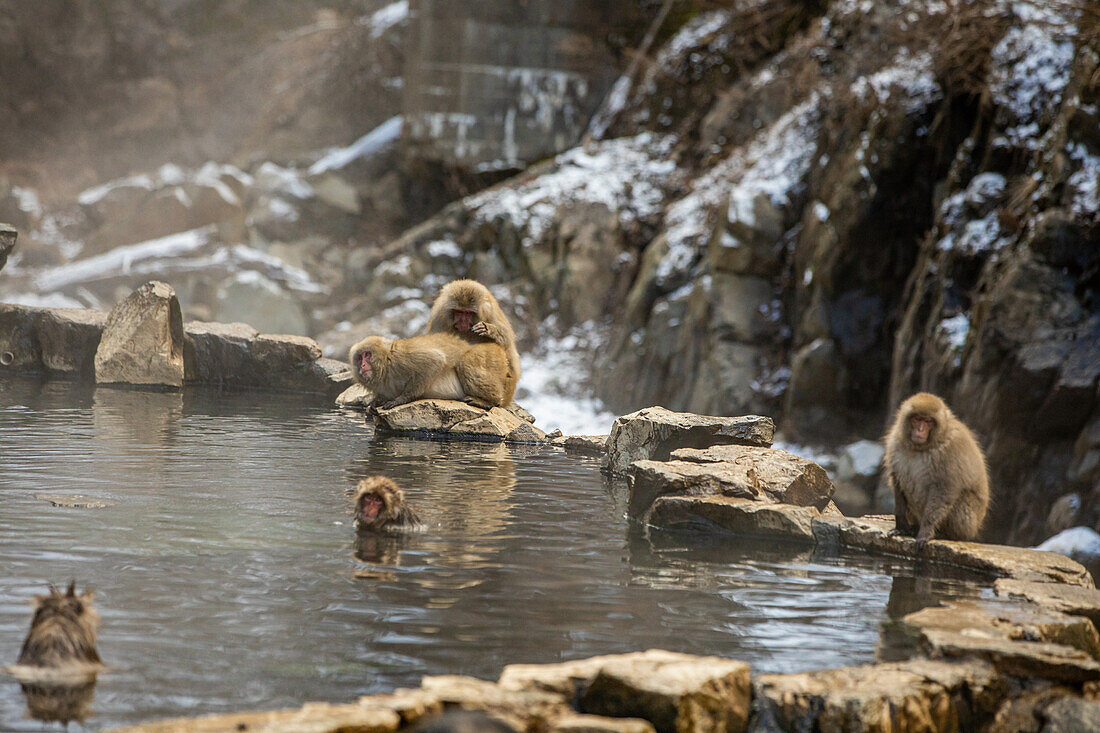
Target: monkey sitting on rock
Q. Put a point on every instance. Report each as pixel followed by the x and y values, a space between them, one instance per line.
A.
pixel 380 507
pixel 435 366
pixel 937 472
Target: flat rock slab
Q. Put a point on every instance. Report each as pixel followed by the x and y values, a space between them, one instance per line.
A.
pixel 742 517
pixel 355 396
pixel 653 433
pixel 458 420
pixel 1070 599
pixel 312 718
pixel 674 692
pixel 76 501
pixel 577 723
pixel 142 342
pixel 783 476
pixel 589 445
pixel 910 696
pixel 60 340
pixel 1024 659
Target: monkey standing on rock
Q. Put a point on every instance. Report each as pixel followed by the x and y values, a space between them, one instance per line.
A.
pixel 937 472
pixel 468 309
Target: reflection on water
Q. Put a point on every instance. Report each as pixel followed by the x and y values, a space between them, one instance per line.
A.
pixel 228 575
pixel 59 702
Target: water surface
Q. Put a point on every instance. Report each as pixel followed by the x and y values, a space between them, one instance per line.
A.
pixel 225 566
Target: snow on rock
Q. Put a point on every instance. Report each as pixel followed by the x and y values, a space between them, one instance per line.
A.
pixel 378 139
pixel 49 300
pixel 626 175
pixel 382 20
pixel 773 164
pixel 908 74
pixel 955 330
pixel 1083 184
pixel 978 236
pixel 1080 543
pixel 865 456
pixel 695 33
pixel 1029 70
pixel 277 179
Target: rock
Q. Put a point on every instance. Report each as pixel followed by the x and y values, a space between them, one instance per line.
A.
pixel 142 342
pixel 576 723
pixel 521 413
pixel 1069 599
pixel 75 501
pixel 1063 513
pixel 1018 621
pixel 459 420
pixel 69 339
pixel 783 476
pixel 356 396
pixel 529 707
pixel 1071 715
pixel 595 445
pixel 257 300
pixel 1024 659
pixel 738 516
pixel 911 696
pixel 8 235
pixel 674 692
pixel 688 695
pixel 1079 543
pixel 654 432
pixel 335 191
pixel 219 353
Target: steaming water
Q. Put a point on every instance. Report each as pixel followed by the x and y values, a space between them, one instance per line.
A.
pixel 224 567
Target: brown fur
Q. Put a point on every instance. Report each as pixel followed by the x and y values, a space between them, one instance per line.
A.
pixel 63 630
pixel 941 486
pixel 491 323
pixel 439 366
pixel 394 515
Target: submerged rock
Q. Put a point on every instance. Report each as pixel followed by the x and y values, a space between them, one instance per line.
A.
pixel 459 420
pixel 653 433
pixel 142 342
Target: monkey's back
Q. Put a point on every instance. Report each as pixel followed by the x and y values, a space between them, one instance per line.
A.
pixel 56 642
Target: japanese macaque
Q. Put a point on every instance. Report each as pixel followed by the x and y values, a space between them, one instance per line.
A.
pixel 466 307
pixel 937 471
pixel 63 631
pixel 380 507
pixel 436 366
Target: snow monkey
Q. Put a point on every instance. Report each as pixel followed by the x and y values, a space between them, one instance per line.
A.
pixel 466 307
pixel 937 471
pixel 380 507
pixel 439 365
pixel 63 630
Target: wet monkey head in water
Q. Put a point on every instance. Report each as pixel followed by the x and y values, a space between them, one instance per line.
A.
pixel 380 507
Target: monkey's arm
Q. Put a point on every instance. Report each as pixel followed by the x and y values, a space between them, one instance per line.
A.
pixel 901 508
pixel 942 500
pixel 489 331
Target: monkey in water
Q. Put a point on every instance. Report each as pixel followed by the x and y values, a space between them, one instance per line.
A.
pixel 439 365
pixel 63 631
pixel 937 472
pixel 466 307
pixel 380 507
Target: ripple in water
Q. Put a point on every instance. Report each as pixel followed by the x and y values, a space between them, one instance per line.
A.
pixel 225 564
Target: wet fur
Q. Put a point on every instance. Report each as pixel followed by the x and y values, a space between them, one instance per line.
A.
pixel 436 366
pixel 941 488
pixel 491 325
pixel 63 631
pixel 395 516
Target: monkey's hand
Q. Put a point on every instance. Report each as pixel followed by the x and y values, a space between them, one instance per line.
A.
pixel 483 329
pixel 479 403
pixel 925 534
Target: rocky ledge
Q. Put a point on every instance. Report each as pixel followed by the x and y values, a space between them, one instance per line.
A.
pixel 144 342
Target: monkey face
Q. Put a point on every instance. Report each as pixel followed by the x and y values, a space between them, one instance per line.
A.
pixel 363 363
pixel 370 508
pixel 67 606
pixel 463 319
pixel 920 429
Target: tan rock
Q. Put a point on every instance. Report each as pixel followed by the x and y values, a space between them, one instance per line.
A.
pixel 1024 659
pixel 458 419
pixel 783 476
pixel 653 433
pixel 594 445
pixel 142 342
pixel 311 718
pixel 356 396
pixel 69 338
pixel 1069 599
pixel 8 235
pixel 738 516
pixel 529 707
pixel 911 696
pixel 650 480
pixel 577 723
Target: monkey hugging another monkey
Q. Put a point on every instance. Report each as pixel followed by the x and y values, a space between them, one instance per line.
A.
pixel 937 472
pixel 469 354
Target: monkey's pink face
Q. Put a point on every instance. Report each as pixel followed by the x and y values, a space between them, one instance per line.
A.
pixel 369 508
pixel 364 364
pixel 463 319
pixel 920 428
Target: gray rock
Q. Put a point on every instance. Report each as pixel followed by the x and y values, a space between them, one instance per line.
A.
pixel 69 339
pixel 143 339
pixel 459 420
pixel 654 432
pixel 8 235
pixel 261 302
pixel 219 353
pixel 356 396
pixel 1072 715
pixel 742 517
pixel 1069 599
pixel 783 476
pixel 593 445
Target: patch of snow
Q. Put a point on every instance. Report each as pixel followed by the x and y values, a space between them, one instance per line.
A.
pixel 275 178
pixel 911 75
pixel 170 174
pixel 38 300
pixel 866 456
pixel 694 34
pixel 294 277
pixel 397 266
pixel 211 173
pixel 282 209
pixel 1084 184
pixel 612 106
pixel 1080 543
pixel 120 259
pixel 91 196
pixel 550 391
pixel 382 20
pixel 955 329
pixel 773 164
pixel 1029 70
pixel 377 139
pixel 821 211
pixel 444 248
pixel 984 188
pixel 27 200
pixel 625 175
pixel 978 236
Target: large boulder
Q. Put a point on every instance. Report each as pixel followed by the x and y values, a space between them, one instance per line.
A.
pixel 458 420
pixel 219 353
pixel 142 342
pixel 61 340
pixel 654 432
